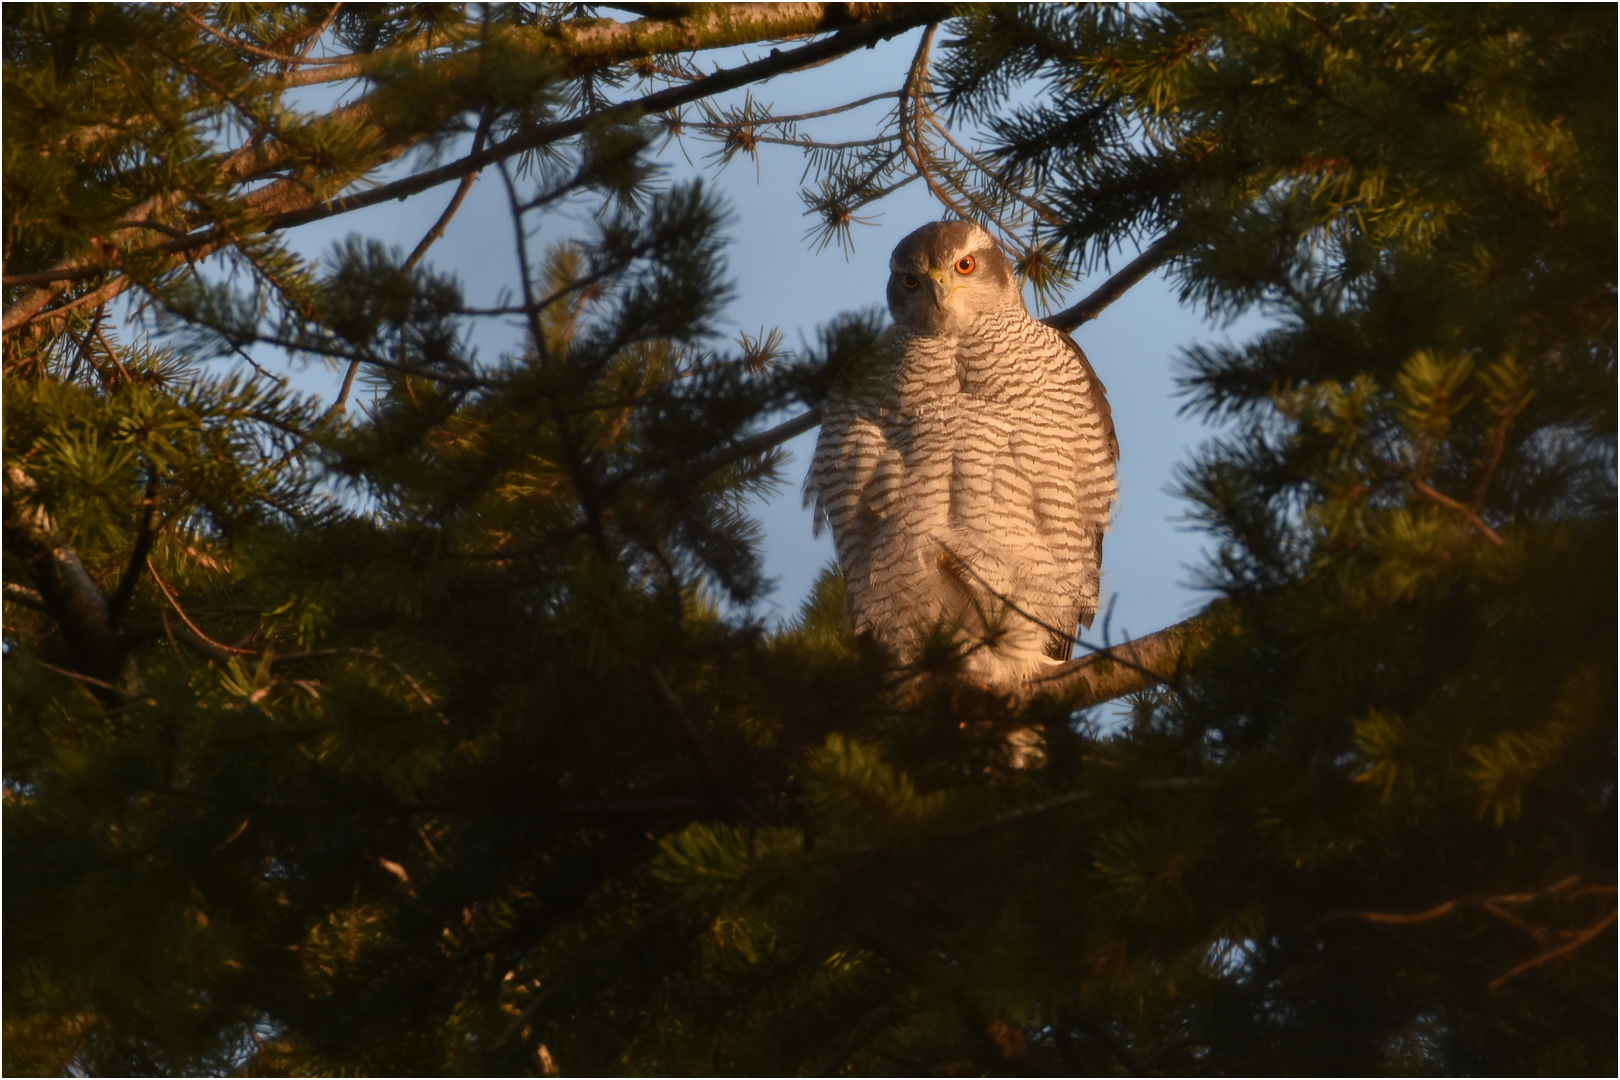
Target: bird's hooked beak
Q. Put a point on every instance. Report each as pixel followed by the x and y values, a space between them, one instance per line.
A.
pixel 939 286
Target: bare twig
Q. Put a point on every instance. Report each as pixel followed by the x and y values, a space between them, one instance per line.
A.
pixel 1498 445
pixel 1468 514
pixel 1492 905
pixel 426 242
pixel 174 602
pixel 1390 917
pixel 184 639
pixel 371 654
pixel 343 392
pixel 314 39
pixel 1040 209
pixel 911 141
pixel 1553 954
pixel 479 136
pixel 112 353
pixel 88 680
pixel 756 444
pixel 1564 884
pixel 251 50
pixel 1017 813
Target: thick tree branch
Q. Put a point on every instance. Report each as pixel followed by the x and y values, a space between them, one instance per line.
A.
pixel 62 583
pixel 1111 673
pixel 144 537
pixel 288 203
pixel 594 43
pixel 776 63
pixel 22 594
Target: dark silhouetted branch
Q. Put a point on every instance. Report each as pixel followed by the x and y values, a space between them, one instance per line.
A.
pixel 1069 319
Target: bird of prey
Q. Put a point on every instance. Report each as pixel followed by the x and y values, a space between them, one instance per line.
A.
pixel 966 466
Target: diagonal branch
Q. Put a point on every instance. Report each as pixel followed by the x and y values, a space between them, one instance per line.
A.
pixel 776 63
pixel 1553 954
pixel 174 602
pixel 288 203
pixel 1468 513
pixel 1111 673
pixel 756 444
pixel 427 241
pixel 1152 257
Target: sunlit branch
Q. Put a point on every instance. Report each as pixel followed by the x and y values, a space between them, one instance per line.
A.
pixel 299 206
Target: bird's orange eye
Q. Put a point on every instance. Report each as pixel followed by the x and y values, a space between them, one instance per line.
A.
pixel 908 281
pixel 965 265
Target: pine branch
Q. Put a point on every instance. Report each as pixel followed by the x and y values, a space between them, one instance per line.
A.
pixel 1468 513
pixel 60 579
pixel 144 537
pixel 1552 954
pixel 22 594
pixel 288 203
pixel 756 444
pixel 711 767
pixel 99 684
pixel 776 63
pixel 1111 673
pixel 599 43
pixel 1154 256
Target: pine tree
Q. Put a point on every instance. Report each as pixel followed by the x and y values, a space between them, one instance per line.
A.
pixel 419 738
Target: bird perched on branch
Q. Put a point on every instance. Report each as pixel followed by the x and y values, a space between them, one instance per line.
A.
pixel 966 466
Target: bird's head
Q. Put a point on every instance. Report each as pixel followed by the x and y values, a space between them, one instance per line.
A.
pixel 945 275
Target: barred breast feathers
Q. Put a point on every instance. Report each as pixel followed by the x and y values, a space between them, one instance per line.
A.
pixel 966 465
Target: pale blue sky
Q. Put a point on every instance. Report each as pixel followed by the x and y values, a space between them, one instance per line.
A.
pixel 1149 557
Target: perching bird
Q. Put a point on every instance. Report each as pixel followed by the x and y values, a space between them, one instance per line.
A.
pixel 966 465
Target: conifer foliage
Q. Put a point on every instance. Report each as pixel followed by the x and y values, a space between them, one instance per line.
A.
pixel 422 736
